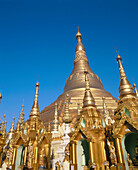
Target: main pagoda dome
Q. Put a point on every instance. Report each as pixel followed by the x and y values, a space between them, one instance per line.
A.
pixel 75 88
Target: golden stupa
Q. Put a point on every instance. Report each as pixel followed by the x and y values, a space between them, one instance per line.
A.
pixel 75 88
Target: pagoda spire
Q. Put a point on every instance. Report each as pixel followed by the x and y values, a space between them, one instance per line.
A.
pixel 56 119
pixel 88 100
pixel 3 119
pixel 12 126
pixel 80 65
pixel 80 50
pixel 79 46
pixel 11 132
pixel 67 117
pixel 135 88
pixel 0 96
pixel 125 88
pixel 21 118
pixel 35 112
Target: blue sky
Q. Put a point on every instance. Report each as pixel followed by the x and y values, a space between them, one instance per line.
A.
pixel 37 38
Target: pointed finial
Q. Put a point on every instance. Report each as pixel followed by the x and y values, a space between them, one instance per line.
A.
pixel 4 130
pixel 78 34
pixel 37 78
pixel 35 112
pixel 78 28
pixel 0 96
pixel 23 105
pixel 18 128
pixel 67 117
pixel 79 46
pixel 3 118
pixel 135 88
pixel 121 69
pixel 11 132
pixel 21 118
pixel 12 127
pixel 125 88
pixel 88 100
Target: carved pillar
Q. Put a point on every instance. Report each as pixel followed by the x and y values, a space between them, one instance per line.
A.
pixel 119 152
pixel 49 152
pixel 1 151
pixel 35 157
pixel 74 156
pixel 14 157
pixel 36 154
pixel 103 150
pixel 91 152
pixel 25 155
pixel 103 161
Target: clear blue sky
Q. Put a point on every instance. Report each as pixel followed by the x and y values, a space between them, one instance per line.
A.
pixel 38 38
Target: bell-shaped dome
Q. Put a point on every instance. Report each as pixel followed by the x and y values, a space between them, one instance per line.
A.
pixel 77 77
pixel 75 87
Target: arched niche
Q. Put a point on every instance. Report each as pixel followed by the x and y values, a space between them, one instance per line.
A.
pixel 19 157
pixel 83 154
pixel 129 142
pixel 83 123
pixel 127 112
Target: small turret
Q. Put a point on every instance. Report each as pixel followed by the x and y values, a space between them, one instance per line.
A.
pixel 0 96
pixel 125 88
pixel 11 132
pixel 88 100
pixel 79 46
pixel 135 88
pixel 56 122
pixel 21 119
pixel 35 112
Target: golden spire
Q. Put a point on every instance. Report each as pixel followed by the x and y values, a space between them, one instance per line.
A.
pixel 11 132
pixel 3 123
pixel 56 119
pixel 12 126
pixel 67 117
pixel 35 112
pixel 21 118
pixel 3 118
pixel 4 129
pixel 125 88
pixel 18 128
pixel 79 46
pixel 88 100
pixel 80 65
pixel 0 96
pixel 135 88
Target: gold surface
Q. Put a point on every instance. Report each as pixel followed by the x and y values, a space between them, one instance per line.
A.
pixel 33 136
pixel 88 100
pixel 35 112
pixel 125 88
pixel 135 88
pixel 75 87
pixel 67 117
